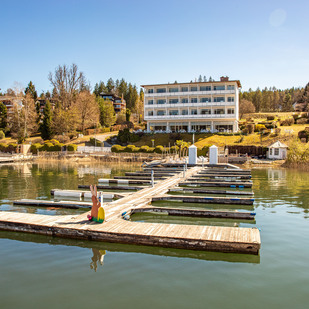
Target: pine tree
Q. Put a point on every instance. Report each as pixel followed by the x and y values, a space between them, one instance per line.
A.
pixel 200 78
pixel 31 90
pixel 46 126
pixel 110 85
pixel 3 116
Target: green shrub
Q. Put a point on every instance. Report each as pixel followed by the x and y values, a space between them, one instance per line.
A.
pixel 144 148
pixel 57 147
pixel 302 121
pixel 150 150
pixel 47 146
pixel 130 148
pixel 3 147
pixel 174 149
pixel 117 148
pixel 250 128
pixel 35 148
pixel 105 130
pixel 159 149
pixel 72 147
pixel 2 135
pixel 287 122
pixel 95 142
pixel 11 147
pixel 270 117
pixel 259 127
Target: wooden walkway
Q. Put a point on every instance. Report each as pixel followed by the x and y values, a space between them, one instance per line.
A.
pixel 116 229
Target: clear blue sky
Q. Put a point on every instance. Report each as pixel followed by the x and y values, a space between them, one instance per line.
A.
pixel 261 43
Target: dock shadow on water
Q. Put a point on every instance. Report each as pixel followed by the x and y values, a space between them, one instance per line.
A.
pixel 98 252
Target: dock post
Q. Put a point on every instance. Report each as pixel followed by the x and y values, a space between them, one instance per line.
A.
pixel 186 164
pixel 202 162
pixel 184 171
pixel 152 178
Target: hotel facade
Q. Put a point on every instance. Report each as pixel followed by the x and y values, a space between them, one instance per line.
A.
pixel 193 107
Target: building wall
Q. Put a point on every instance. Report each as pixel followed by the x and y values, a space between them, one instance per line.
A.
pixel 277 153
pixel 192 106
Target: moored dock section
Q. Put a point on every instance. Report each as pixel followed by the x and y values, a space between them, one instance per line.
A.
pixel 169 177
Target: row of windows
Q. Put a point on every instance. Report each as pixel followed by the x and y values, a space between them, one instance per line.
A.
pixel 230 111
pixel 192 100
pixel 192 88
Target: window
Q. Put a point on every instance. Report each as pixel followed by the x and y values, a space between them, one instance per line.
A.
pixel 173 101
pixel 161 90
pixel 150 91
pixel 219 111
pixel 205 88
pixel 205 99
pixel 184 112
pixel 150 102
pixel 276 151
pixel 271 151
pixel 193 111
pixel 160 113
pixel 173 112
pixel 184 100
pixel 161 101
pixel 206 112
pixel 230 87
pixel 230 99
pixel 150 113
pixel 173 90
pixel 219 87
pixel 219 99
pixel 193 88
pixel 184 89
pixel 230 110
pixel 194 100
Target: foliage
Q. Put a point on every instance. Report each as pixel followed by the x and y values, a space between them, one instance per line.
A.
pixel 131 148
pixel 128 114
pixel 117 148
pixel 46 126
pixel 125 136
pixel 34 148
pixel 72 147
pixel 2 135
pixel 144 148
pixel 271 117
pixel 250 128
pixel 287 122
pixel 246 107
pixel 95 142
pixel 159 149
pixel 298 153
pixel 302 121
pixel 3 116
pixel 107 116
pixel 86 110
pixel 30 89
pixel 259 127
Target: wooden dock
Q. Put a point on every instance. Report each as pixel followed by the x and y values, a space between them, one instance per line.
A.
pixel 116 229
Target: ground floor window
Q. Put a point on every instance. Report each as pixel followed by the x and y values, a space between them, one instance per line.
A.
pixel 276 151
pixel 224 127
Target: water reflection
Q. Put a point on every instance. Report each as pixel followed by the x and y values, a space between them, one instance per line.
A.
pixel 98 257
pixel 100 249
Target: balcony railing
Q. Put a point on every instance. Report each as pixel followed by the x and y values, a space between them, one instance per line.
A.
pixel 189 93
pixel 181 105
pixel 188 117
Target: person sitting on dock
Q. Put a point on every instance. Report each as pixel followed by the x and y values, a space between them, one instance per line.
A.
pixel 97 212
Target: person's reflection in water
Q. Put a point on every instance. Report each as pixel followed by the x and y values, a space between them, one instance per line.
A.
pixel 98 256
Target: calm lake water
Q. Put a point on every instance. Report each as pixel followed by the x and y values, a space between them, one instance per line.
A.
pixel 38 271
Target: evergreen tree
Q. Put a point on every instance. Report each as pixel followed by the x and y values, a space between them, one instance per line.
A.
pixel 31 90
pixel 257 100
pixel 107 113
pixel 200 78
pixel 122 88
pixel 204 79
pixel 110 85
pixel 3 116
pixel 287 103
pixel 46 126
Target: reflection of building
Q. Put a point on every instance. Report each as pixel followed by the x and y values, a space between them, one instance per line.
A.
pixel 277 151
pixel 118 102
pixel 194 106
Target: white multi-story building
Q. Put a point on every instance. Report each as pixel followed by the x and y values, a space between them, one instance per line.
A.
pixel 195 106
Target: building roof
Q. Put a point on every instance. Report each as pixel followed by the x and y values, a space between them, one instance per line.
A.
pixel 278 144
pixel 195 83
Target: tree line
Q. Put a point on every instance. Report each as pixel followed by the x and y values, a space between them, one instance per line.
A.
pixel 275 100
pixel 71 105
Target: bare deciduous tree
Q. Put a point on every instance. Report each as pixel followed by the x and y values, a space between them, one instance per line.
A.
pixel 246 107
pixel 67 82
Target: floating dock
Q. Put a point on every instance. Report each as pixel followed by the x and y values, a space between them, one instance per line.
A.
pixel 116 229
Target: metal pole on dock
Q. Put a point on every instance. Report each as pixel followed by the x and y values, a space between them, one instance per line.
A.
pixel 152 178
pixel 184 171
pixel 203 162
pixel 186 164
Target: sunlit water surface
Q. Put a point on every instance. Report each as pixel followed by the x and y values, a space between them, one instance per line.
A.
pixel 45 272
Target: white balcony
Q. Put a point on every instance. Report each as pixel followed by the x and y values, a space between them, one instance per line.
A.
pixel 181 105
pixel 189 93
pixel 191 117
